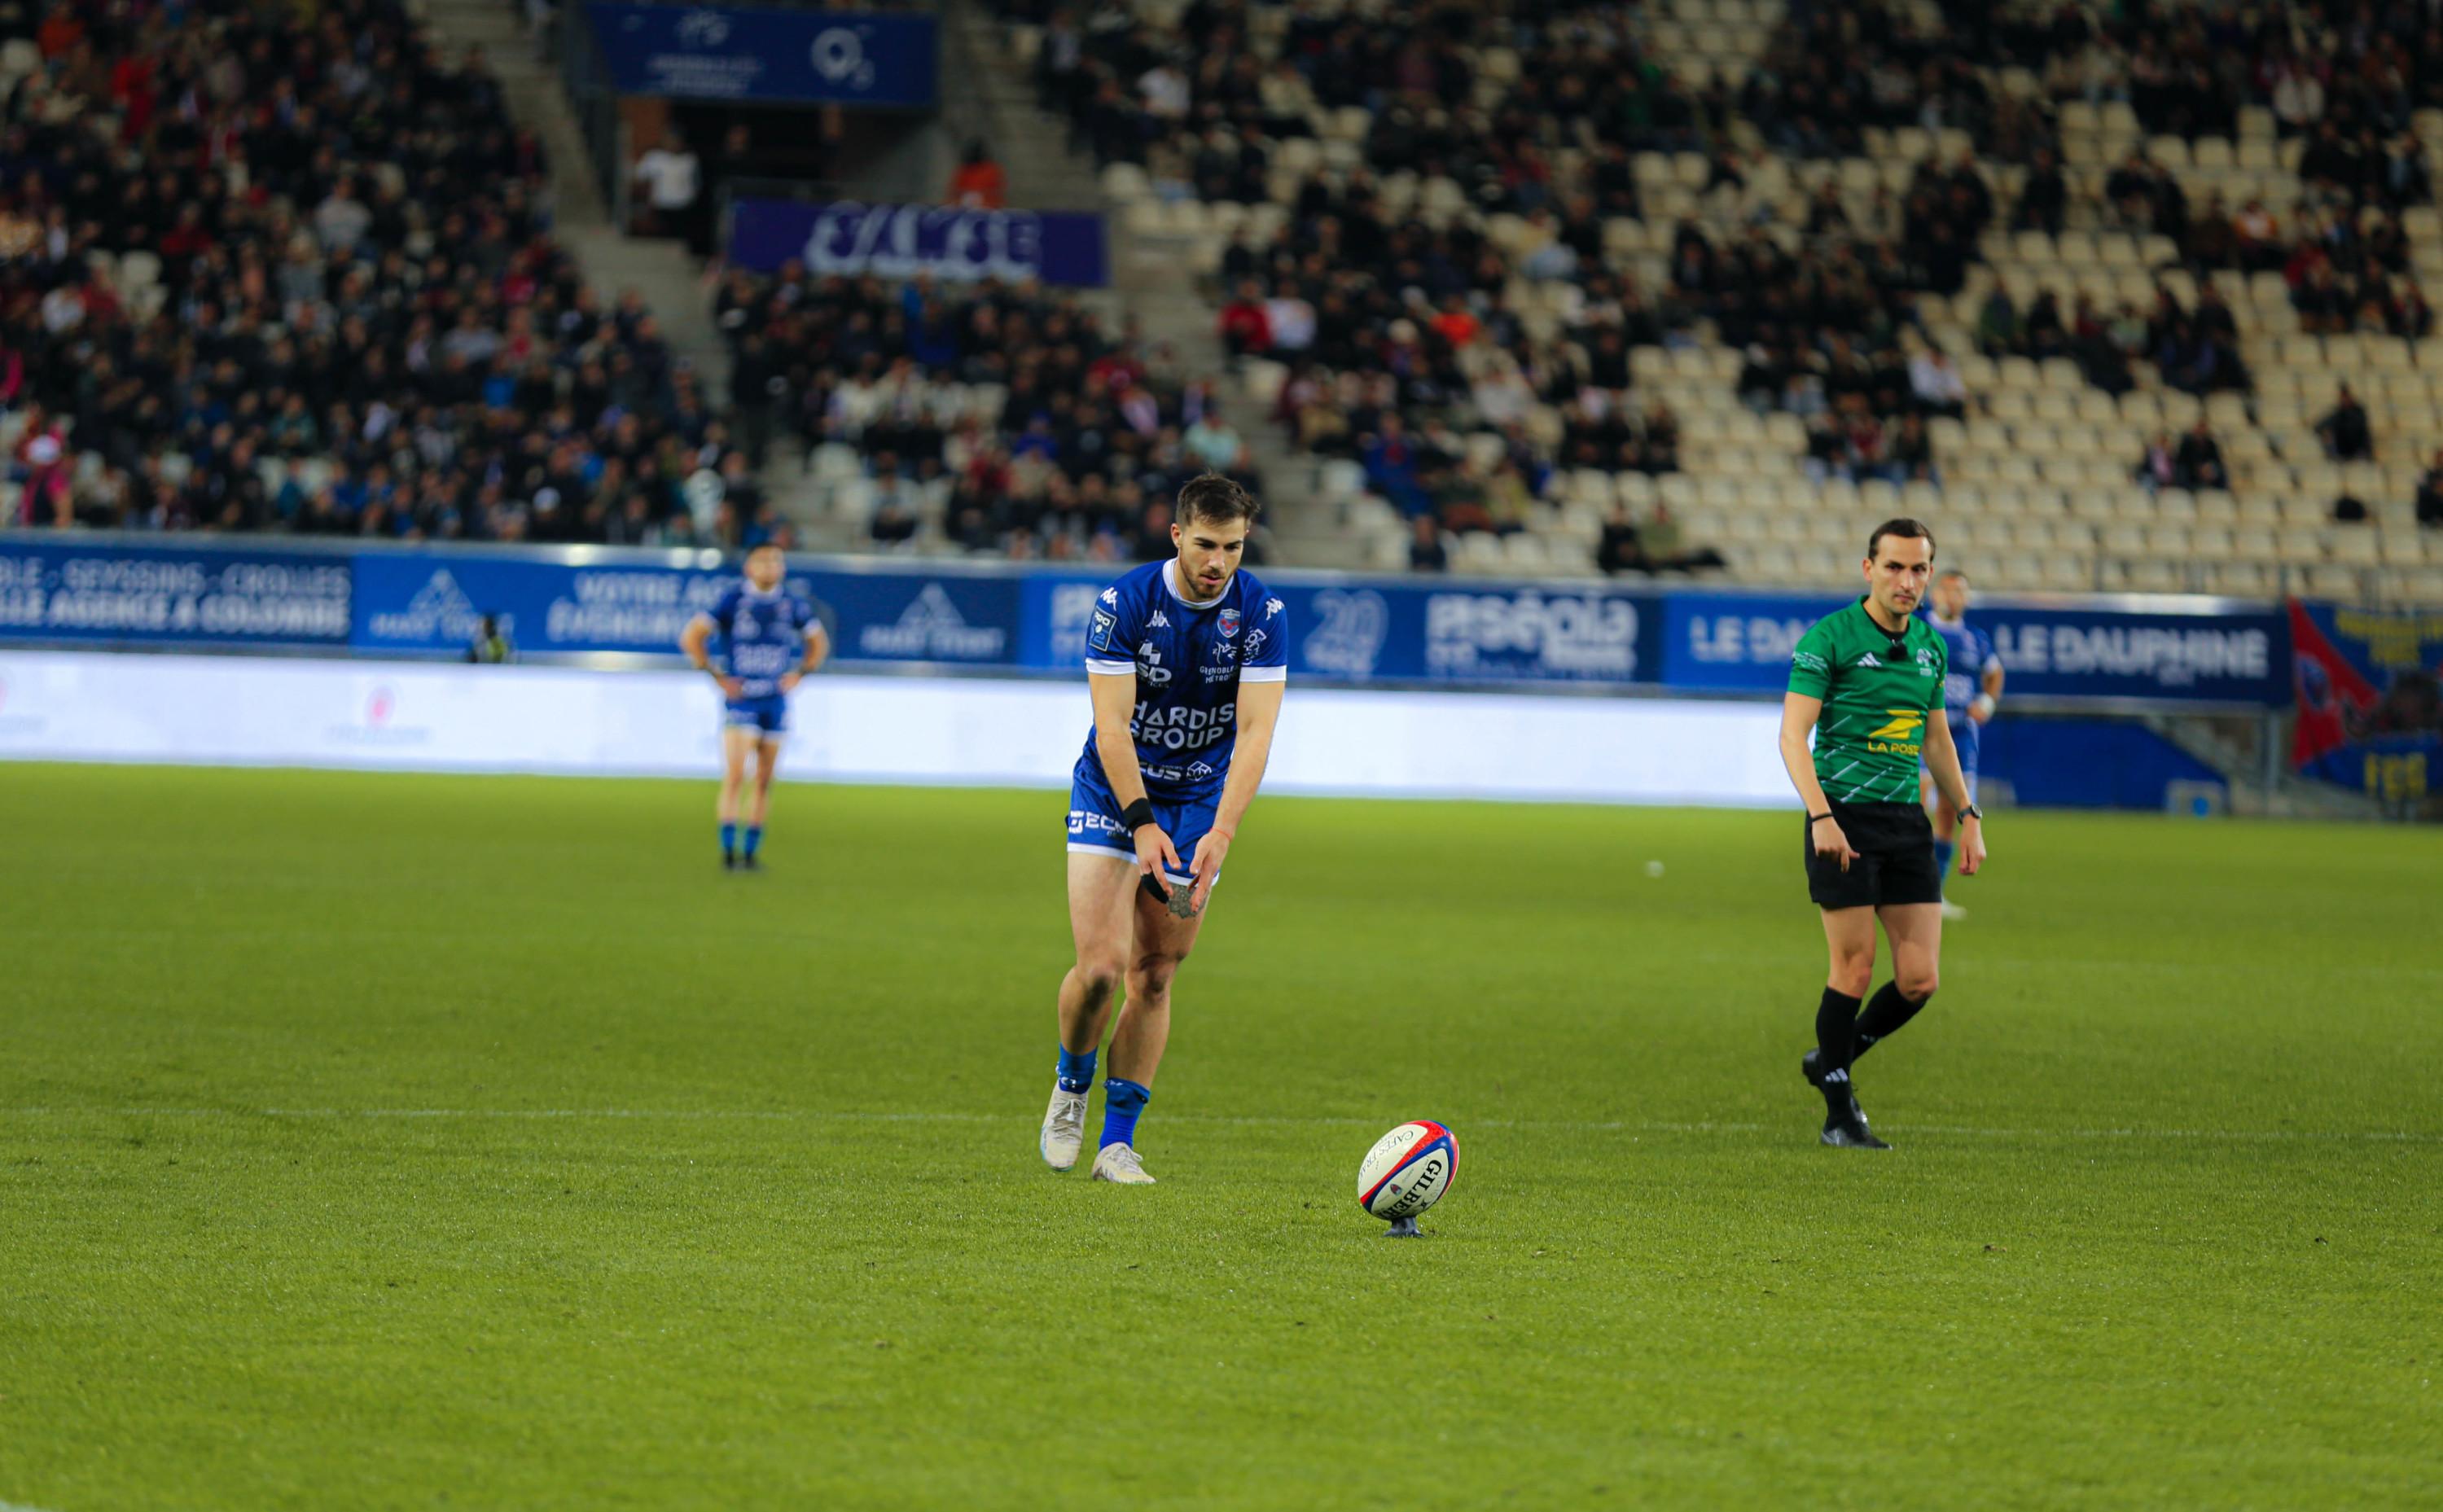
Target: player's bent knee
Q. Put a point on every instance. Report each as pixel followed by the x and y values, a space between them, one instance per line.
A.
pixel 1100 980
pixel 1152 976
pixel 1918 985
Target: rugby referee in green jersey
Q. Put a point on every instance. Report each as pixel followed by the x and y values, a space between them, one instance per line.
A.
pixel 1867 681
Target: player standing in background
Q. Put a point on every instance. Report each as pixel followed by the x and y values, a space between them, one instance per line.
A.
pixel 1186 660
pixel 1868 679
pixel 770 640
pixel 1970 692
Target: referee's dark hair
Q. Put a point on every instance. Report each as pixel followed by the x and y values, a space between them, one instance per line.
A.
pixel 1915 529
pixel 1218 499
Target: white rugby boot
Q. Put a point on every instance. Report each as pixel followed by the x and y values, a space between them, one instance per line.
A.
pixel 1952 912
pixel 1119 1162
pixel 1064 1129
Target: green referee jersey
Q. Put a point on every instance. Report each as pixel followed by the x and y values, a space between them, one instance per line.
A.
pixel 1871 734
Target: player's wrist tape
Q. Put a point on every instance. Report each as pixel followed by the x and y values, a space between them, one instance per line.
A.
pixel 1137 815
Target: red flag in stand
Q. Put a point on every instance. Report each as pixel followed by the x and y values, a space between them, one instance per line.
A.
pixel 2326 684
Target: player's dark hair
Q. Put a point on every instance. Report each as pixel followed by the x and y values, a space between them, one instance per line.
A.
pixel 1903 526
pixel 1216 499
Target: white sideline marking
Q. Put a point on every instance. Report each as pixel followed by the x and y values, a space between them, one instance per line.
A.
pixel 1566 1125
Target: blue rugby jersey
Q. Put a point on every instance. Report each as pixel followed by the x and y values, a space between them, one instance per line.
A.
pixel 1972 654
pixel 1188 660
pixel 762 636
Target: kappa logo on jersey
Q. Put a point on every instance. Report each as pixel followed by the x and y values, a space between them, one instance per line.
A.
pixel 1160 620
pixel 1111 598
pixel 1273 607
pixel 1899 734
pixel 1229 623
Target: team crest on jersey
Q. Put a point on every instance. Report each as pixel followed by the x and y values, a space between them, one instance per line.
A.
pixel 1229 623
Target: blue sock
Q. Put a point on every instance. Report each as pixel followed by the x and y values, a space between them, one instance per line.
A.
pixel 1076 1070
pixel 1122 1103
pixel 1942 860
pixel 729 840
pixel 753 838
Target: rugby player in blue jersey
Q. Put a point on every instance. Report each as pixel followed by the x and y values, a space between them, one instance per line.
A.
pixel 1186 660
pixel 1971 690
pixel 769 639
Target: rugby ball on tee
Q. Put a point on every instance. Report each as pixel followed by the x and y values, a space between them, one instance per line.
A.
pixel 1407 1171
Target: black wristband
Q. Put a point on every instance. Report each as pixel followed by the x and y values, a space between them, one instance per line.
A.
pixel 1814 819
pixel 1137 815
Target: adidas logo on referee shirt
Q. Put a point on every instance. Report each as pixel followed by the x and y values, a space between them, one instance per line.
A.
pixel 1868 660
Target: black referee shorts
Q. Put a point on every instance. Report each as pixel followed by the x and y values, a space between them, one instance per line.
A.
pixel 1895 862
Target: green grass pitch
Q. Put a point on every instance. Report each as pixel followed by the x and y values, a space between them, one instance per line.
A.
pixel 375 1142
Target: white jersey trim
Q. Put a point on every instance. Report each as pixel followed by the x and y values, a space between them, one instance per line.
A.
pixel 1264 674
pixel 1101 668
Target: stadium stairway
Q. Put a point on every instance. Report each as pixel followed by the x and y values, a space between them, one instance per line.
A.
pixel 614 261
pixel 1153 278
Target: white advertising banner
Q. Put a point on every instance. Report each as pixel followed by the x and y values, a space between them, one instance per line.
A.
pixel 206 710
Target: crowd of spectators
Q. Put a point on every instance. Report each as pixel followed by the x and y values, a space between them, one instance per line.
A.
pixel 1002 418
pixel 279 269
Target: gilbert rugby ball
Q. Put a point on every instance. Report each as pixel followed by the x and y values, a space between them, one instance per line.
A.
pixel 1407 1171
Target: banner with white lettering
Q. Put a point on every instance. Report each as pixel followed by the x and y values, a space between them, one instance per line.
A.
pixel 69 590
pixel 777 54
pixel 1411 630
pixel 1731 642
pixel 906 240
pixel 433 603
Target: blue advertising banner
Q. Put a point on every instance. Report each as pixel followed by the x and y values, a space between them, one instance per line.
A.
pixel 2370 699
pixel 777 55
pixel 1742 643
pixel 432 603
pixel 902 241
pixel 1408 631
pixel 72 591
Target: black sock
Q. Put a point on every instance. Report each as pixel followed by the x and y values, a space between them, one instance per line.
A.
pixel 1885 1016
pixel 1836 1020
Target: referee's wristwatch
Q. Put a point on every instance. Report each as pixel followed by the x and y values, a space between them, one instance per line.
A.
pixel 1971 812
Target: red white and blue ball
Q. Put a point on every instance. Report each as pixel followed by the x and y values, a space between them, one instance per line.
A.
pixel 1407 1171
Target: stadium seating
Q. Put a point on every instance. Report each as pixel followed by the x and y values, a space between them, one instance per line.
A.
pixel 988 419
pixel 294 270
pixel 1552 171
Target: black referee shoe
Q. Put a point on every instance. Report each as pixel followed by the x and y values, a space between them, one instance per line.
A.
pixel 1846 1129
